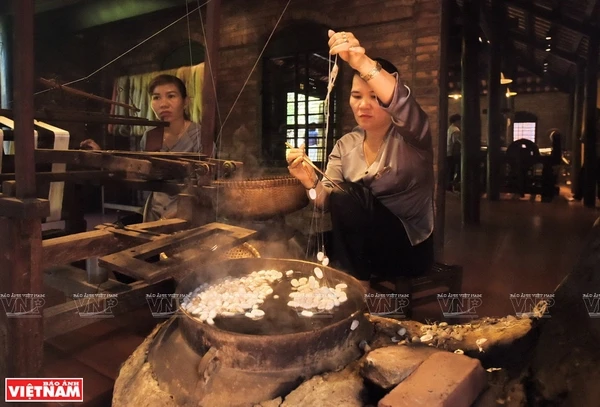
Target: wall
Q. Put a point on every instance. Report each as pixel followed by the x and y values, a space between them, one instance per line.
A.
pixel 552 109
pixel 406 32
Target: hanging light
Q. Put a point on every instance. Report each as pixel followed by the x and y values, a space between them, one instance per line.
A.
pixel 509 93
pixel 503 80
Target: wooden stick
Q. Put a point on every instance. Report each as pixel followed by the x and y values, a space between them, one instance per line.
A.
pixel 307 160
pixel 54 85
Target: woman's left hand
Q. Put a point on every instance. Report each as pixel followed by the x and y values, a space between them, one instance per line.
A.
pixel 347 46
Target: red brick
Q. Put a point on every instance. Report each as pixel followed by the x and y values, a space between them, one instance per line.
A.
pixel 443 380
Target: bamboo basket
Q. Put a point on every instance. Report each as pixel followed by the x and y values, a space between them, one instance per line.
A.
pixel 259 198
pixel 245 250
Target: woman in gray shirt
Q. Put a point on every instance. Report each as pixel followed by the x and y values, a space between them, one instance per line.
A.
pixel 383 221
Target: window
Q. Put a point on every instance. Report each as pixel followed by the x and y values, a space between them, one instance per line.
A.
pixel 524 130
pixel 525 126
pixel 310 124
pixel 295 76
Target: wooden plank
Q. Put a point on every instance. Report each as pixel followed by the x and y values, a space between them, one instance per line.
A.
pixel 71 315
pixel 67 249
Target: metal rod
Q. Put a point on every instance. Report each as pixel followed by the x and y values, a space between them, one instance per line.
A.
pixel 306 160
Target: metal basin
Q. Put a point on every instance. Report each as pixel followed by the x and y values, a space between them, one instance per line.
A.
pixel 221 364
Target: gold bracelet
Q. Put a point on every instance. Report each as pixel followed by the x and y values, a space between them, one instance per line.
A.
pixel 372 73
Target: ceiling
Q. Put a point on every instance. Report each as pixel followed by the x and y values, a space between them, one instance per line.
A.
pixel 543 38
pixel 536 62
pixel 77 15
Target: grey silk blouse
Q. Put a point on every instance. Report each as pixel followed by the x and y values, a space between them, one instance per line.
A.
pixel 162 205
pixel 401 176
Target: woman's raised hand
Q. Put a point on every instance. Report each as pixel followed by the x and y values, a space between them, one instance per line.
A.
pixel 298 168
pixel 347 46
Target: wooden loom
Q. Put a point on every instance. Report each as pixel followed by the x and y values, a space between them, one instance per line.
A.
pixel 24 253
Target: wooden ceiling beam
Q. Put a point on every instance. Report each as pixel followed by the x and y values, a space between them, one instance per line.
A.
pixel 583 27
pixel 541 45
pixel 554 79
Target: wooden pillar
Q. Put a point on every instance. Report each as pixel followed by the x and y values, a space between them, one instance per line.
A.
pixel 576 127
pixel 440 192
pixel 211 66
pixel 470 184
pixel 494 99
pixel 589 123
pixel 5 58
pixel 21 238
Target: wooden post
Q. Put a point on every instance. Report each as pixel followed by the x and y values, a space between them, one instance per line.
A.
pixel 211 66
pixel 494 100
pixel 589 132
pixel 470 184
pixel 5 71
pixel 576 127
pixel 440 192
pixel 21 239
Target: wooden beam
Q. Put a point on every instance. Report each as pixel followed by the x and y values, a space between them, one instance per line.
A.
pixel 209 90
pixel 87 117
pixel 583 27
pixel 442 170
pixel 78 313
pixel 576 130
pixel 20 239
pixel 51 83
pixel 562 83
pixel 590 163
pixel 94 159
pixel 68 176
pixel 533 42
pixel 494 101
pixel 470 127
pixel 80 246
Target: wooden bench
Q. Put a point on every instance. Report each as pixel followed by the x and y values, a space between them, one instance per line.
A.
pixel 442 279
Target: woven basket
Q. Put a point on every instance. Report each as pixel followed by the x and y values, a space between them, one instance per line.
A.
pixel 242 251
pixel 259 198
